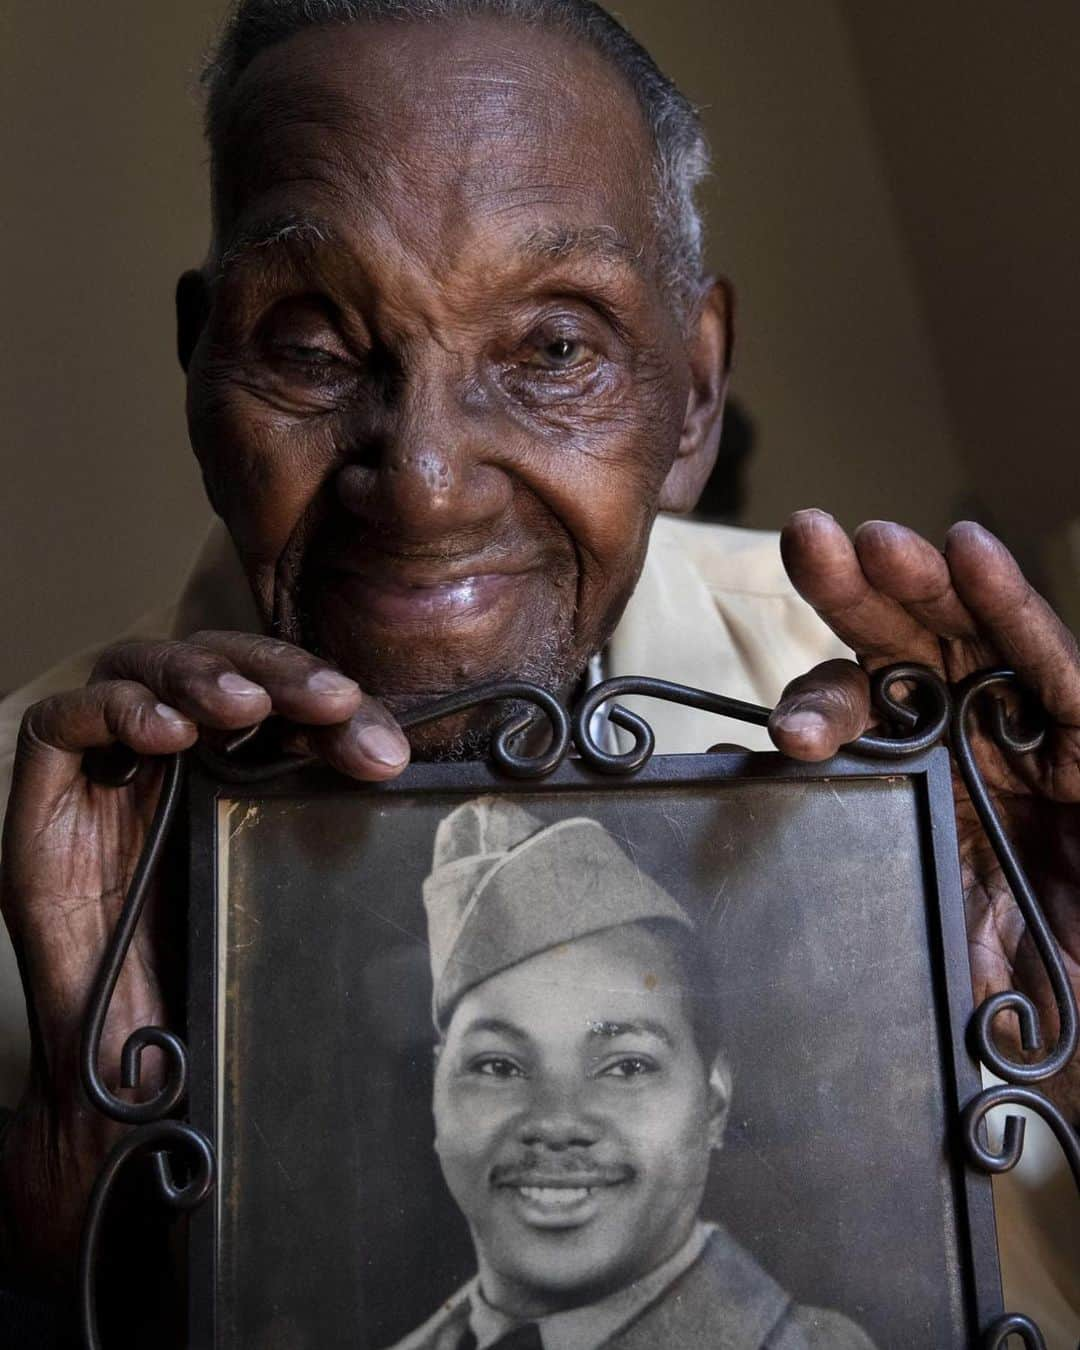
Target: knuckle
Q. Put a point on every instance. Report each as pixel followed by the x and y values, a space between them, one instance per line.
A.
pixel 114 691
pixel 207 637
pixel 156 669
pixel 116 656
pixel 839 702
pixel 42 720
pixel 276 650
pixel 181 667
pixel 127 718
pixel 843 673
pixel 241 647
pixel 138 661
pixel 838 690
pixel 122 701
pixel 36 717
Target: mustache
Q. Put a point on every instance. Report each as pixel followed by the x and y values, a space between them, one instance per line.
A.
pixel 563 1169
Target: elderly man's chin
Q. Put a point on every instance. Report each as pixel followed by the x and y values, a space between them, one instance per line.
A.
pixel 410 645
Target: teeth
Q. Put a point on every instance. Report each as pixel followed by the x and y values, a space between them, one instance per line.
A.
pixel 555 1195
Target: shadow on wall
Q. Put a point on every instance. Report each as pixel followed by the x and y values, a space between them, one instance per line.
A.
pixel 724 495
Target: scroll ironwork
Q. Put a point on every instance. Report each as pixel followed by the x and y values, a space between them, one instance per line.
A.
pixel 238 764
pixel 170 1095
pixel 1037 927
pixel 161 1139
pixel 917 730
pixel 996 1336
pixel 911 724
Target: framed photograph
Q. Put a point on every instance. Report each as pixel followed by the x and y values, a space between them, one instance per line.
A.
pixel 671 1060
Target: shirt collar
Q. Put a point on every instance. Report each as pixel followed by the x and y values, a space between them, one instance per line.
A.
pixel 591 1326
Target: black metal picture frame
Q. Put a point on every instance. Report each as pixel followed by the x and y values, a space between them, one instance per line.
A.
pixel 923 781
pixel 533 740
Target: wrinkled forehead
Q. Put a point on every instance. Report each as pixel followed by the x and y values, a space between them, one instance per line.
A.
pixel 431 132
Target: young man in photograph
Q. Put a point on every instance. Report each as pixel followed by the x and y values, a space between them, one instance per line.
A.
pixel 579 1094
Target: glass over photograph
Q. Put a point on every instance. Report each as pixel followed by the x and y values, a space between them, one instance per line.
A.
pixel 586 1062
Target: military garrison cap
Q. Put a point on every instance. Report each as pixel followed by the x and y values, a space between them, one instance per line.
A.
pixel 504 887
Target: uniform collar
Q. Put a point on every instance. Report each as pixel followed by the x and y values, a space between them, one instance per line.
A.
pixel 592 1326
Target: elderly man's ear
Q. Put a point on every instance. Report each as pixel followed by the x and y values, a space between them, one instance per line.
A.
pixel 719 1100
pixel 709 347
pixel 192 311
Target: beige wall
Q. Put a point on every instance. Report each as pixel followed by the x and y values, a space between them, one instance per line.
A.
pixel 834 359
pixel 106 204
pixel 976 105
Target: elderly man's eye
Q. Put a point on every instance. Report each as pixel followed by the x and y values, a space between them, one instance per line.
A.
pixel 300 336
pixel 558 354
pixel 496 1066
pixel 308 356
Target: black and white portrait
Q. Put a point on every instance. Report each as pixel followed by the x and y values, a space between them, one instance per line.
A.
pixel 571 1070
pixel 580 1089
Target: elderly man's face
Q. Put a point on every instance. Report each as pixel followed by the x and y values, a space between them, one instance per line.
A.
pixel 435 387
pixel 574 1119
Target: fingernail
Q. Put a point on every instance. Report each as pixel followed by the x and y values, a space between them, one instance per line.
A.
pixel 331 682
pixel 231 683
pixel 803 723
pixel 168 714
pixel 383 746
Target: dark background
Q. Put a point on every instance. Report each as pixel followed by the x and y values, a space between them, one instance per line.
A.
pixel 337 1229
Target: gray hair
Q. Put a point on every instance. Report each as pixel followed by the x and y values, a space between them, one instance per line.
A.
pixel 681 154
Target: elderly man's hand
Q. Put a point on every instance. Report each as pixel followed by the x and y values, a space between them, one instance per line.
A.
pixel 891 596
pixel 69 849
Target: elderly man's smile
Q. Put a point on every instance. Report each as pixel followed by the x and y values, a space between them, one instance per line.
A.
pixel 409 623
pixel 404 597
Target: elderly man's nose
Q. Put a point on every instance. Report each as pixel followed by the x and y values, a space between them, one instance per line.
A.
pixel 428 472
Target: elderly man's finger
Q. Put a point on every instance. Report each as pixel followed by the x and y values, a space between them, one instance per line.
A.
pixel 907 568
pixel 370 746
pixel 202 684
pixel 825 569
pixel 1015 618
pixel 821 711
pixel 57 731
pixel 231 680
pixel 302 687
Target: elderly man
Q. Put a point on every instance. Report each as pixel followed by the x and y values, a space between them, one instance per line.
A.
pixel 579 1093
pixel 450 353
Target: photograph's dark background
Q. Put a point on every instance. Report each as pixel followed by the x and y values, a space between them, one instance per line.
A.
pixel 337 1230
pixel 895 195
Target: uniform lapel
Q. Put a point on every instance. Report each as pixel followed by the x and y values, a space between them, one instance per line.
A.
pixel 725 1301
